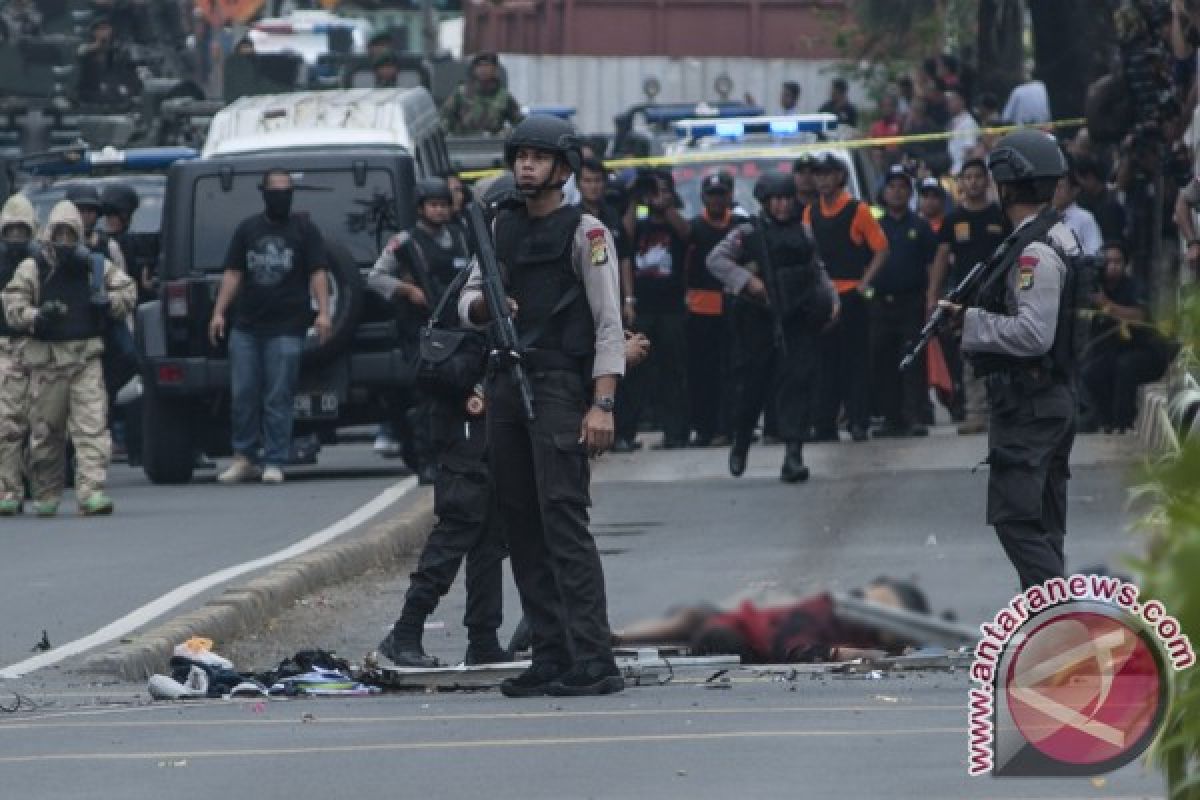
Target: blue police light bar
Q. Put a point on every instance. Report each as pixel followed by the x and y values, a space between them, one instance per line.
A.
pixel 562 112
pixel 808 126
pixel 79 161
pixel 674 112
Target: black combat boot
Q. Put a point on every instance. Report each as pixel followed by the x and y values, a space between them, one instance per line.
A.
pixel 533 682
pixel 587 678
pixel 483 647
pixel 737 455
pixel 794 470
pixel 403 644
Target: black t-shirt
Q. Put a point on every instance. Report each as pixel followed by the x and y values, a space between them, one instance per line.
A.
pixel 973 236
pixel 277 260
pixel 659 268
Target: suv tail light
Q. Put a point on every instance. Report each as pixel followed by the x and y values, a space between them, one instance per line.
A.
pixel 170 374
pixel 177 299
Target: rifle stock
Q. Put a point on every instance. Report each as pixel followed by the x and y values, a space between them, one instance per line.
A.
pixel 506 344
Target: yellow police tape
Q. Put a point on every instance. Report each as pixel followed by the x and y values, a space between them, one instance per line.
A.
pixel 787 151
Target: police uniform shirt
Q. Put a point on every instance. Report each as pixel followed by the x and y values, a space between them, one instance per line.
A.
pixel 1034 285
pixel 911 247
pixel 595 259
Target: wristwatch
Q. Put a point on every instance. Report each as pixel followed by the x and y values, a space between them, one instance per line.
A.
pixel 605 402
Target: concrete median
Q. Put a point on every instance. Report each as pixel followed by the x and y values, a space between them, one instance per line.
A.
pixel 243 608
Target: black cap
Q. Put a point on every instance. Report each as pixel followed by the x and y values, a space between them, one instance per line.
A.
pixel 974 162
pixel 485 58
pixel 897 172
pixel 931 184
pixel 829 162
pixel 717 182
pixel 806 161
pixel 84 196
pixel 119 198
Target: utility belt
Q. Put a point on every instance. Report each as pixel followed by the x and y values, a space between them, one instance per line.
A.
pixel 1007 387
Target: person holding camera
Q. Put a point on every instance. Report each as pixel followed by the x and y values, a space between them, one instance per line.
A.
pixel 660 242
pixel 65 298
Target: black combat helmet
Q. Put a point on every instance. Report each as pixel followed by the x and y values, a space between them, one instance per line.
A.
pixel 83 196
pixel 119 199
pixel 1027 155
pixel 432 189
pixel 774 184
pixel 545 132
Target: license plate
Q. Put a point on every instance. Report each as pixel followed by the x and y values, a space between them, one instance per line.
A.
pixel 316 405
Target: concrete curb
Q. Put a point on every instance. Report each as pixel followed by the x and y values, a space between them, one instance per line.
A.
pixel 243 608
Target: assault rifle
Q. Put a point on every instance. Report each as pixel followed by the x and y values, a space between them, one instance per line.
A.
pixel 506 346
pixel 982 274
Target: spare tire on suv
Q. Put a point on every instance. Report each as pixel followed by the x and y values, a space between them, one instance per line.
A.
pixel 345 300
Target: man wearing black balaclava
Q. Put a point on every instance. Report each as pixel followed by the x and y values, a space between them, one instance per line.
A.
pixel 275 260
pixel 18 227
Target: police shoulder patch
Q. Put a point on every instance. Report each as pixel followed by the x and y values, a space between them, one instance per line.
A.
pixel 598 250
pixel 1025 267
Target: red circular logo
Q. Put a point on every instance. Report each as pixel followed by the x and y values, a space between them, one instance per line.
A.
pixel 1086 688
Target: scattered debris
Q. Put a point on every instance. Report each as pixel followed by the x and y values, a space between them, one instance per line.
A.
pixel 43 645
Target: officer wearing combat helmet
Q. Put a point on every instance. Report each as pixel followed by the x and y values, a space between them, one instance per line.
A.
pixel 783 298
pixel 64 300
pixel 1019 334
pixel 560 272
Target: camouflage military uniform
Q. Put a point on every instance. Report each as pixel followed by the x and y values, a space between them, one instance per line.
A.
pixel 471 111
pixel 14 388
pixel 66 384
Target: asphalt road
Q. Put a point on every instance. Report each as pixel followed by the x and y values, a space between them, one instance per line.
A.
pixel 71 575
pixel 673 529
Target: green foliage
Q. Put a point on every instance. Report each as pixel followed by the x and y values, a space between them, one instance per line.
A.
pixel 1170 571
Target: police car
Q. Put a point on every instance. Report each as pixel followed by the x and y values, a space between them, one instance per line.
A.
pixel 746 147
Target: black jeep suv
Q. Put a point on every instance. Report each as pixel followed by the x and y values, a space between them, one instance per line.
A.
pixel 357 197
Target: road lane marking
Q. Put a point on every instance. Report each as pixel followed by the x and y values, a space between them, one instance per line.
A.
pixel 27 723
pixel 176 597
pixel 376 747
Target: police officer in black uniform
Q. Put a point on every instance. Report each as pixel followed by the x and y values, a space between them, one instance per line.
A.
pixel 466 522
pixel 775 327
pixel 414 269
pixel 86 199
pixel 1020 334
pixel 560 272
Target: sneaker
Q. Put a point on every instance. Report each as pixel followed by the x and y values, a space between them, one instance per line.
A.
pixel 533 682
pixel 386 446
pixel 48 508
pixel 588 678
pixel 240 471
pixel 96 504
pixel 10 507
pixel 272 475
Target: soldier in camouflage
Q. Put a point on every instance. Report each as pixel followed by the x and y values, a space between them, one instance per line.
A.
pixel 18 227
pixel 58 298
pixel 482 104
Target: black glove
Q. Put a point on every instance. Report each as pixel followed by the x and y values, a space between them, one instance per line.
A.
pixel 49 313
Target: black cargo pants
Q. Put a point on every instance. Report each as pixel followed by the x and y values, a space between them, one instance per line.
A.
pixel 765 377
pixel 467 525
pixel 1031 431
pixel 542 476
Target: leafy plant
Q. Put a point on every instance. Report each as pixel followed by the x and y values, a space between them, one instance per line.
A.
pixel 1170 572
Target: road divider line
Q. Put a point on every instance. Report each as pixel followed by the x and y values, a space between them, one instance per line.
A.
pixel 377 747
pixel 180 595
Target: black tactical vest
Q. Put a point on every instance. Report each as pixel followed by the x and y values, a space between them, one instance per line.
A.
pixel 1062 357
pixel 790 254
pixel 844 260
pixel 535 256
pixel 441 264
pixel 70 284
pixel 10 259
